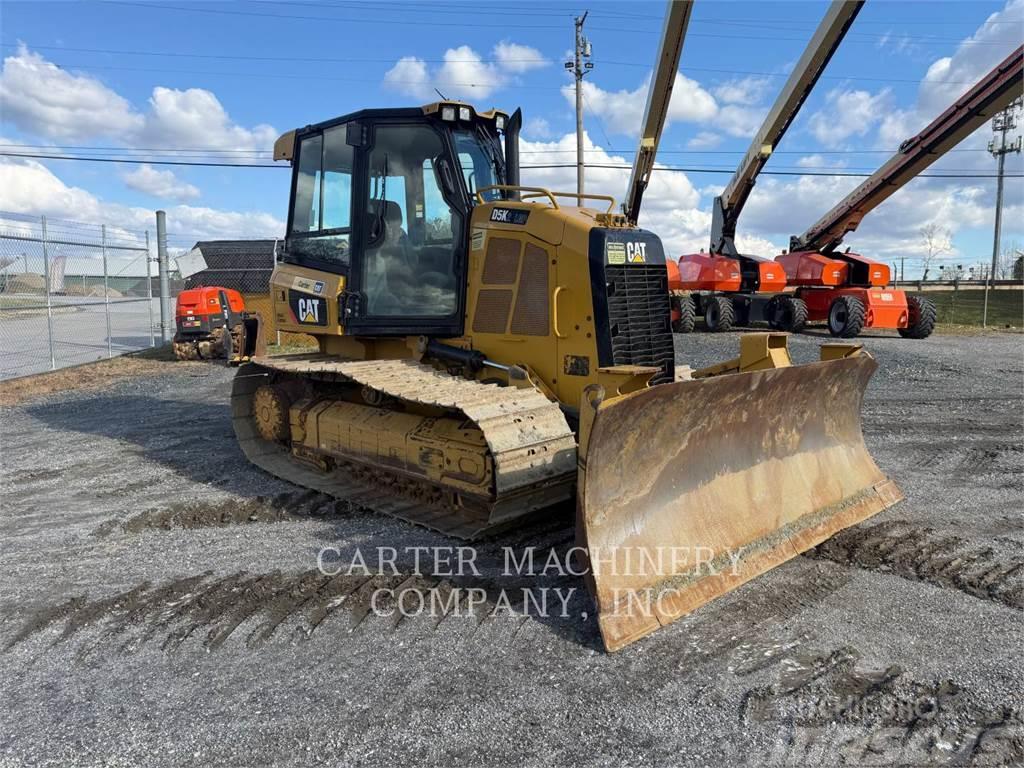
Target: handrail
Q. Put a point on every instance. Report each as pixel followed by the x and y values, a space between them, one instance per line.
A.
pixel 581 196
pixel 543 192
pixel 539 192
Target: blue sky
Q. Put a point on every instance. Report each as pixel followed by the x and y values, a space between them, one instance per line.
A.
pixel 900 63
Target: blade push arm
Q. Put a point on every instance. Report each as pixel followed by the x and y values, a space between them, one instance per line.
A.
pixel 677 18
pixel 808 69
pixel 990 95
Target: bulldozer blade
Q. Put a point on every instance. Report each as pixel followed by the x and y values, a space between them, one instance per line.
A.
pixel 690 489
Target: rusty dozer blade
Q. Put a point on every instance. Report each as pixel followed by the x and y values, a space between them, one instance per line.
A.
pixel 690 489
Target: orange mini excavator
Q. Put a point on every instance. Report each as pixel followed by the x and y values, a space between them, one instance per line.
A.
pixel 211 322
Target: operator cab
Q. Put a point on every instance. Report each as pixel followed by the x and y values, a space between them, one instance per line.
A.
pixel 383 198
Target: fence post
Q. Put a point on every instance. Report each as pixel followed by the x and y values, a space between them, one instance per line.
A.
pixel 149 293
pixel 106 287
pixel 49 304
pixel 165 288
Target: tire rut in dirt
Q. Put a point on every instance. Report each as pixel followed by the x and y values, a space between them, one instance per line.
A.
pixel 215 608
pixel 301 505
pixel 918 553
pixel 831 706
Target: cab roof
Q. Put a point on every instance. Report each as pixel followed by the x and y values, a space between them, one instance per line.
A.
pixel 284 147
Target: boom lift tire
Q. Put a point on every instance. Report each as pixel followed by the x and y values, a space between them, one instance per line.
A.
pixel 687 314
pixel 921 322
pixel 846 317
pixel 719 314
pixel 787 313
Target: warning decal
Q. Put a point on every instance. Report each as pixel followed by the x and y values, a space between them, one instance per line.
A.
pixel 616 253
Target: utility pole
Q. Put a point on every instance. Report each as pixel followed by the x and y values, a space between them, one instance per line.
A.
pixel 579 68
pixel 1002 124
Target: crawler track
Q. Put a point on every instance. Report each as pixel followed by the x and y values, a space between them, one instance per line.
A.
pixel 532 448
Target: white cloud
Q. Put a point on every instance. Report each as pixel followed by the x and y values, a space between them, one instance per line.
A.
pixel 741 121
pixel 518 58
pixel 622 111
pixel 848 113
pixel 819 161
pixel 748 90
pixel 891 230
pixel 162 184
pixel 901 44
pixel 949 77
pixel 196 118
pixel 537 128
pixel 410 76
pixel 670 202
pixel 464 73
pixel 704 140
pixel 41 98
pixel 29 187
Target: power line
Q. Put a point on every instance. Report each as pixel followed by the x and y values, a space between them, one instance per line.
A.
pixel 267 152
pixel 836 174
pixel 503 25
pixel 207 151
pixel 307 77
pixel 677 169
pixel 238 57
pixel 345 20
pixel 391 60
pixel 141 161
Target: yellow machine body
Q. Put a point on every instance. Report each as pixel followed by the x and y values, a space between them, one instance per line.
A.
pixel 561 384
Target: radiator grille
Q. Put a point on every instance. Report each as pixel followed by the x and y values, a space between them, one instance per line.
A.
pixel 492 309
pixel 532 299
pixel 639 318
pixel 502 262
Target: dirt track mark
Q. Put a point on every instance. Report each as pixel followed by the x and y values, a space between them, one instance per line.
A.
pixel 215 608
pixel 260 509
pixel 919 554
pixel 831 706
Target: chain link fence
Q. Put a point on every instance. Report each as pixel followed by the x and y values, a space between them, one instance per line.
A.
pixel 71 293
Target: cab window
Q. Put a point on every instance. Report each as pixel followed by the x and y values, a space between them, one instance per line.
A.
pixel 321 224
pixel 478 157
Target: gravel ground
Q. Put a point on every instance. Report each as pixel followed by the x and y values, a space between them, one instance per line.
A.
pixel 161 604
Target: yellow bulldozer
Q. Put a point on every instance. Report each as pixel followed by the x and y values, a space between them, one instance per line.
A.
pixel 488 351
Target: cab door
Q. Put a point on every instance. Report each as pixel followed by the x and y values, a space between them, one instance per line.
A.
pixel 407 275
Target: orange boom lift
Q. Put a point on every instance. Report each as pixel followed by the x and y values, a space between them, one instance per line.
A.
pixel 850 290
pixel 728 287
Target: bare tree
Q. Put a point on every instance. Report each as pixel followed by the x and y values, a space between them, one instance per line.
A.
pixel 937 240
pixel 1005 260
